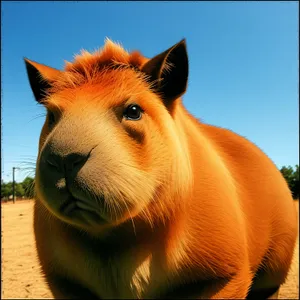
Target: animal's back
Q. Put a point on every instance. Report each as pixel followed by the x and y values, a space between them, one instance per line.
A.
pixel 264 195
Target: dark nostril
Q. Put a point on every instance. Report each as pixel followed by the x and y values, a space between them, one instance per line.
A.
pixel 53 161
pixel 66 163
pixel 75 160
pixel 78 160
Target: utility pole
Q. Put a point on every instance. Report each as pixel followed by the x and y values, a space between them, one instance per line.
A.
pixel 14 197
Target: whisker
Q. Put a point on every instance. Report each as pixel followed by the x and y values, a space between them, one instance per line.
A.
pixel 115 207
pixel 28 156
pixel 36 117
pixel 132 220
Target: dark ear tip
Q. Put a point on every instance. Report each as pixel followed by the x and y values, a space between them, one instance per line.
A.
pixel 181 43
pixel 26 61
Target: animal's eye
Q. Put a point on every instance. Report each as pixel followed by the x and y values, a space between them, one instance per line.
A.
pixel 51 118
pixel 133 112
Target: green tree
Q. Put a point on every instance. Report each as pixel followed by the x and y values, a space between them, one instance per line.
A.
pixel 6 189
pixel 19 191
pixel 296 185
pixel 28 186
pixel 25 188
pixel 292 178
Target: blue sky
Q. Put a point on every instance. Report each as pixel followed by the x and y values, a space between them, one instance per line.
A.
pixel 243 63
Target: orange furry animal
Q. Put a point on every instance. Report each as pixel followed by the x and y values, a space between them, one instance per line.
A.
pixel 138 199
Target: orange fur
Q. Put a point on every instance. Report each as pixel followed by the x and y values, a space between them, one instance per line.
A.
pixel 187 202
pixel 88 68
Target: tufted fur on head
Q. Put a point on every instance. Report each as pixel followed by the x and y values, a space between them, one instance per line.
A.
pixel 88 67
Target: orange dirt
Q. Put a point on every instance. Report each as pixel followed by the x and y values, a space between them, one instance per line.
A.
pixel 21 276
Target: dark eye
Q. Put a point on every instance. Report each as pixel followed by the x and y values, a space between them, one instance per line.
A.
pixel 133 112
pixel 51 118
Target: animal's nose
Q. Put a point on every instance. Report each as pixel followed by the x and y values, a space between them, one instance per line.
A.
pixel 68 163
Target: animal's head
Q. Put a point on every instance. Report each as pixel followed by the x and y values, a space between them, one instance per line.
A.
pixel 109 149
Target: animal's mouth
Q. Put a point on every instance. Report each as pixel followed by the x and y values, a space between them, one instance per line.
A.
pixel 69 206
pixel 76 208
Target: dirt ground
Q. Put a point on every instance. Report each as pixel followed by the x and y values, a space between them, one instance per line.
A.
pixel 21 276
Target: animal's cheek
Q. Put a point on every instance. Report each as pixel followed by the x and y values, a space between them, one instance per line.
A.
pixel 94 177
pixel 120 179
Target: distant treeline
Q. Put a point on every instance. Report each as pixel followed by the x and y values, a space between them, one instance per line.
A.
pixel 292 178
pixel 25 189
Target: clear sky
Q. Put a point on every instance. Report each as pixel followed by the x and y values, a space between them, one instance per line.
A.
pixel 243 63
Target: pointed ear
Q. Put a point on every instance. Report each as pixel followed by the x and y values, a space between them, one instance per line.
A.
pixel 168 72
pixel 40 78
